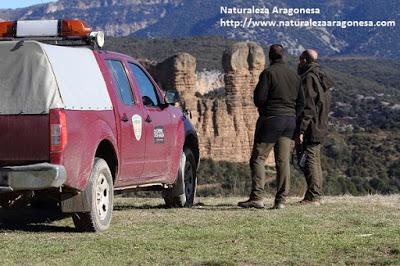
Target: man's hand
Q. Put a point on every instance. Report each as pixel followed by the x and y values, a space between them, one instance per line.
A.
pixel 298 139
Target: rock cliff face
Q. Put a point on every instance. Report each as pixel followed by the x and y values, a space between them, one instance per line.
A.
pixel 225 124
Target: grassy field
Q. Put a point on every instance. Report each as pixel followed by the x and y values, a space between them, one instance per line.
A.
pixel 345 230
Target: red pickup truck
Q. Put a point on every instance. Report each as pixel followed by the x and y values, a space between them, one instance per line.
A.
pixel 78 123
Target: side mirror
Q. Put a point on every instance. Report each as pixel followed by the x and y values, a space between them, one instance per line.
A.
pixel 147 101
pixel 171 97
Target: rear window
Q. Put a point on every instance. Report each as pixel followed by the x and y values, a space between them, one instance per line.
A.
pixel 121 81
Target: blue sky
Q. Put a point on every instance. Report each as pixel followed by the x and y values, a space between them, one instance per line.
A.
pixel 21 3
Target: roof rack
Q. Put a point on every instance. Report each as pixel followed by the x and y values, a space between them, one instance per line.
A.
pixel 59 32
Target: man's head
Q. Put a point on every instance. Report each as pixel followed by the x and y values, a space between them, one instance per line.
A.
pixel 276 52
pixel 308 56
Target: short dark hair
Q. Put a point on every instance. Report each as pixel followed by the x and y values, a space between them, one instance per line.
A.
pixel 276 52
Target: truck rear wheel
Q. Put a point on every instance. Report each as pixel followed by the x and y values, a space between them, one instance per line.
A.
pixel 101 192
pixel 183 192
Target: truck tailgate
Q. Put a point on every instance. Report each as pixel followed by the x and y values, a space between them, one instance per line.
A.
pixel 24 138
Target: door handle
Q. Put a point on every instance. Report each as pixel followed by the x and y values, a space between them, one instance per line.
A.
pixel 148 119
pixel 124 118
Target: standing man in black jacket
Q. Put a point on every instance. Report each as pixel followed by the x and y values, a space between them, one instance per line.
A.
pixel 313 122
pixel 277 97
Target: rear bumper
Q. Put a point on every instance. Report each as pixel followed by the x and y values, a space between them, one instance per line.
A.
pixel 31 177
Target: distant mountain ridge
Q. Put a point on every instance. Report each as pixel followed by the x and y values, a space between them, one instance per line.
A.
pixel 188 18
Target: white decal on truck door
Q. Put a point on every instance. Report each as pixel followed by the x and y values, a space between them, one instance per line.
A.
pixel 137 126
pixel 158 135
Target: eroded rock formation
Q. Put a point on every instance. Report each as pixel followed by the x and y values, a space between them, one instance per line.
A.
pixel 225 124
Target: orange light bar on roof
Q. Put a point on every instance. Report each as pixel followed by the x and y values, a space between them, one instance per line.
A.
pixel 6 28
pixel 74 27
pixel 44 28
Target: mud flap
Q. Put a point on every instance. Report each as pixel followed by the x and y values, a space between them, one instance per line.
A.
pixel 178 189
pixel 81 202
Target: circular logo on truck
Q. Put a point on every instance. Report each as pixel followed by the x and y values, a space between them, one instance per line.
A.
pixel 137 126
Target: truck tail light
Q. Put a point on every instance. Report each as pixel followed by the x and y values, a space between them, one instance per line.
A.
pixel 58 131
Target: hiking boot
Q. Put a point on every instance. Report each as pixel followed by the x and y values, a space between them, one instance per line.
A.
pixel 316 202
pixel 258 204
pixel 278 206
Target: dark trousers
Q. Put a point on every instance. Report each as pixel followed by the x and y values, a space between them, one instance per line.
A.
pixel 282 149
pixel 272 133
pixel 313 171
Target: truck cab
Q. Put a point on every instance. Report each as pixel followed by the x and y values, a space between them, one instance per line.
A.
pixel 78 124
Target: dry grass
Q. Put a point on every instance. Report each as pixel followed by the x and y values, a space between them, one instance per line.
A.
pixel 345 230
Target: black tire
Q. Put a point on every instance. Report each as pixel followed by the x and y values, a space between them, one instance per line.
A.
pixel 101 192
pixel 183 192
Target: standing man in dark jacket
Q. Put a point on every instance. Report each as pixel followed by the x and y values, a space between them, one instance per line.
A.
pixel 277 96
pixel 313 122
